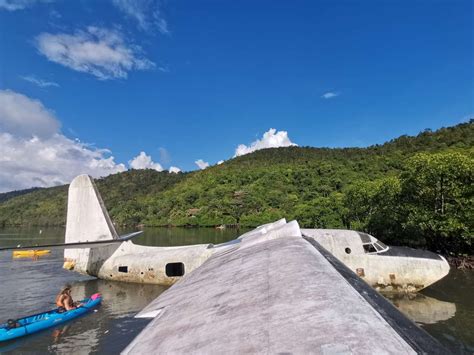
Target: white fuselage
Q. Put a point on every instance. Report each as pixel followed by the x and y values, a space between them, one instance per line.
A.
pixel 390 269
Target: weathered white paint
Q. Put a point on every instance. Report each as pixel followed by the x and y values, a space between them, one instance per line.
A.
pixel 271 231
pixel 385 273
pixel 264 228
pixel 148 264
pixel 272 293
pixel 87 220
pixel 87 217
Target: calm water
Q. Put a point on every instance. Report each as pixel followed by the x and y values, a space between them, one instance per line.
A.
pixel 446 310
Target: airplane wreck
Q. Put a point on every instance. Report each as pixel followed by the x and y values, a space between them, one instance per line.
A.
pixel 389 269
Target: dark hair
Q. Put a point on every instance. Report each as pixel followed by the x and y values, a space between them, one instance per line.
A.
pixel 66 289
pixel 12 323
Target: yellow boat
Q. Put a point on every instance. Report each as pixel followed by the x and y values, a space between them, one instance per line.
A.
pixel 30 253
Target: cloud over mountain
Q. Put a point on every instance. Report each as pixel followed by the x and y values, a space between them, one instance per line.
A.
pixel 201 164
pixel 270 139
pixel 143 161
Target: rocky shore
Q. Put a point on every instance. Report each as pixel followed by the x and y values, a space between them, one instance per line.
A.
pixel 461 262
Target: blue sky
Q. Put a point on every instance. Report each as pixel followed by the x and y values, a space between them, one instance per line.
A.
pixel 188 80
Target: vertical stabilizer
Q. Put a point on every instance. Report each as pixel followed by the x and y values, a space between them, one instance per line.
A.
pixel 87 220
pixel 87 217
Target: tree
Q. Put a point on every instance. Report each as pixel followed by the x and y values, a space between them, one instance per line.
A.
pixel 438 198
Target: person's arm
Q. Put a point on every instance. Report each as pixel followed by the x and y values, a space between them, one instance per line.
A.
pixel 60 299
pixel 68 303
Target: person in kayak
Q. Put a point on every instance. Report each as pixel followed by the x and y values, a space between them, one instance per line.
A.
pixel 64 300
pixel 12 323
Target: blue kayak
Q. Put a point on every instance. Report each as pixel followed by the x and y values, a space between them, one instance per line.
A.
pixel 38 322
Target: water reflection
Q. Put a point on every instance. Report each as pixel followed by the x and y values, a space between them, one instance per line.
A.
pixel 120 299
pixel 423 309
pixel 186 236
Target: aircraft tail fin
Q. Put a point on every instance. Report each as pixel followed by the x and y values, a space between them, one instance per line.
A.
pixel 87 217
pixel 87 221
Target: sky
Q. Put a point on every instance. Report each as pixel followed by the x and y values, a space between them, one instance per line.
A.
pixel 104 86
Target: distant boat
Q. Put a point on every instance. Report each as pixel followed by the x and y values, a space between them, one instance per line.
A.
pixel 29 253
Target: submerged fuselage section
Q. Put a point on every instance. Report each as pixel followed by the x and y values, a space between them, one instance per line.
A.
pixel 387 268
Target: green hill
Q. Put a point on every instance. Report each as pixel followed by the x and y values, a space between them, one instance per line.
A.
pixel 47 207
pixel 411 190
pixel 4 196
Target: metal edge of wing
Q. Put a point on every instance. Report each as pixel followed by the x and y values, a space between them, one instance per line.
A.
pixel 78 245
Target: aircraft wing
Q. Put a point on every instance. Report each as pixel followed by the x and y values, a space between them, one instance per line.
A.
pixel 78 245
pixel 276 292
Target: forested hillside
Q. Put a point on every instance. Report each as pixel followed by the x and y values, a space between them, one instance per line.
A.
pixel 4 196
pixel 411 190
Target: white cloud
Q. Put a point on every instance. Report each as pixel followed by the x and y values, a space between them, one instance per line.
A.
pixel 97 51
pixel 201 164
pixel 33 152
pixel 174 169
pixel 143 161
pixel 39 82
pixel 220 162
pixel 25 117
pixel 270 139
pixel 329 95
pixel 13 5
pixel 147 13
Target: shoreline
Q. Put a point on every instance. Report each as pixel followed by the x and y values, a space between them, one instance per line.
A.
pixel 461 262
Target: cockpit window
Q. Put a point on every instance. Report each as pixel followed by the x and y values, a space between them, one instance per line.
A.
pixel 364 237
pixel 380 246
pixel 369 248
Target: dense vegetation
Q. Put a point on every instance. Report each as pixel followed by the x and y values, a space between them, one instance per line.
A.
pixel 411 190
pixel 8 195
